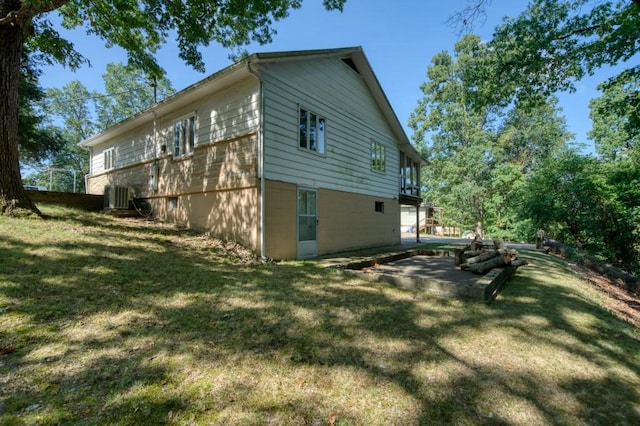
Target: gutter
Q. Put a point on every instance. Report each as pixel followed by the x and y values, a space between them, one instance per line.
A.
pixel 256 74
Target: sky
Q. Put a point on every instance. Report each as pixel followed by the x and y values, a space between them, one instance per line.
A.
pixel 399 37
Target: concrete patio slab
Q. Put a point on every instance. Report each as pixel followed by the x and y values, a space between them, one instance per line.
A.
pixel 432 271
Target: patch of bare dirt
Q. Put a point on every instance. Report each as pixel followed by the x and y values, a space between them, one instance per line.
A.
pixel 619 300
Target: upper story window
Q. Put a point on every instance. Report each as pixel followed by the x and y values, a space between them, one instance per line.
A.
pixel 184 136
pixel 312 131
pixel 378 157
pixel 109 158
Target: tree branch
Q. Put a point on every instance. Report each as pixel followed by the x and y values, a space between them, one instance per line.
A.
pixel 26 12
pixel 581 31
pixel 466 18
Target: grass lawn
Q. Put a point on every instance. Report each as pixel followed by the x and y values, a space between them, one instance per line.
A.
pixel 120 321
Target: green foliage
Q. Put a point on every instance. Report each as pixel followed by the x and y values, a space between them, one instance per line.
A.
pixel 562 196
pixel 480 149
pixel 79 113
pixel 555 43
pixel 37 139
pixel 142 27
pixel 493 133
pixel 127 92
pixel 616 122
pixel 531 132
pixel 623 177
pixel 459 145
pixel 505 188
pixel 584 203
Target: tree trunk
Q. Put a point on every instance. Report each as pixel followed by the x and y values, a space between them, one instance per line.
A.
pixel 12 194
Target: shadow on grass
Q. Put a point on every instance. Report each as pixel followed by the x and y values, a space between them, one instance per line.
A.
pixel 118 322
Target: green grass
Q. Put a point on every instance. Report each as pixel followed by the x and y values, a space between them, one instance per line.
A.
pixel 116 321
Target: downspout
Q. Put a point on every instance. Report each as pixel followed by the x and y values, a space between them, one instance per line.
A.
pixel 153 188
pixel 156 167
pixel 263 248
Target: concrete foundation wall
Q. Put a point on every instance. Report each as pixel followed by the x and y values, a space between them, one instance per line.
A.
pixel 68 199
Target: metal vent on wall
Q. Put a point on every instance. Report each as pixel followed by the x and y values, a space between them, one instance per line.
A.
pixel 116 197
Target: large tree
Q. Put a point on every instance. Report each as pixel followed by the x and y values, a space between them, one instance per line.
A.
pixel 479 147
pixel 140 27
pixel 128 90
pixel 453 129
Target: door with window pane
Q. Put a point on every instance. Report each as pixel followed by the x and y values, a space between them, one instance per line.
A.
pixel 307 223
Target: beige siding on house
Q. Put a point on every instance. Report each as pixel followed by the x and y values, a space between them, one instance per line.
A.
pixel 216 189
pixel 220 116
pixel 329 88
pixel 349 221
pixel 280 220
pixel 232 215
pixel 220 166
pixel 346 221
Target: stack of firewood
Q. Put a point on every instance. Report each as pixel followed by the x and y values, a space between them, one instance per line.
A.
pixel 479 258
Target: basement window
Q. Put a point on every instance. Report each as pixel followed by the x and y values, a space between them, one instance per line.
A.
pixel 379 207
pixel 172 203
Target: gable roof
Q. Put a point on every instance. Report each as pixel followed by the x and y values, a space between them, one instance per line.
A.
pixel 353 56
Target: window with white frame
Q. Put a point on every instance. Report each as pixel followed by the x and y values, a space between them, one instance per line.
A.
pixel 109 158
pixel 184 136
pixel 378 157
pixel 312 133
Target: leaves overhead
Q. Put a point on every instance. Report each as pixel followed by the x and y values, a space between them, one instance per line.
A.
pixel 142 27
pixel 555 43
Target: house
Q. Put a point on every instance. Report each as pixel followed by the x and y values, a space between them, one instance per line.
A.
pixel 292 154
pixel 427 215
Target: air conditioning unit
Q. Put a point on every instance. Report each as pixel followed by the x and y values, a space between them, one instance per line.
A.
pixel 116 197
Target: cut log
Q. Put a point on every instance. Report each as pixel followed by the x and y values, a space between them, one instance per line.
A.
pixel 473 253
pixel 481 268
pixel 483 257
pixel 499 243
pixel 546 250
pixel 520 262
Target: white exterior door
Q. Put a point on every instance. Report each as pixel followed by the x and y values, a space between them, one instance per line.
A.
pixel 307 223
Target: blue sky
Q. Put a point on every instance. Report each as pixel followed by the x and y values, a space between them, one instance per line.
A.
pixel 399 38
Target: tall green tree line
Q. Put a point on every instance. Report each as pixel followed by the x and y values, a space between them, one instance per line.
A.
pixel 518 171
